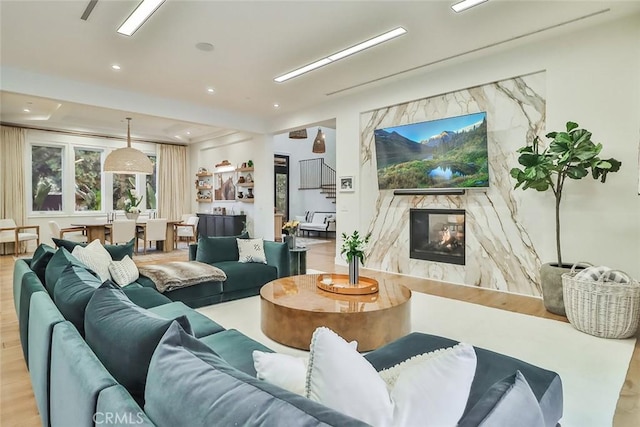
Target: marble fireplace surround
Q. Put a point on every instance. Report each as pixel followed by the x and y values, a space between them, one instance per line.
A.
pixel 501 248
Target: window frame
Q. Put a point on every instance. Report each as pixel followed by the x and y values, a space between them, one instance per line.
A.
pixel 69 143
pixel 29 182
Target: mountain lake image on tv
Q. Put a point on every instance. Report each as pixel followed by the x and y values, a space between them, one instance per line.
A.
pixel 444 153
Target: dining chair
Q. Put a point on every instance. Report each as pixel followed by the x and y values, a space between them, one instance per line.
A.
pixel 122 231
pixel 11 233
pixel 154 230
pixel 187 229
pixel 76 234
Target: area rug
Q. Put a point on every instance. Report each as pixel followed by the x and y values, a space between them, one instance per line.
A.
pixel 592 369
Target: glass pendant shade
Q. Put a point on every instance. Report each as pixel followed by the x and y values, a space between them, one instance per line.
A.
pixel 128 160
pixel 318 143
pixel 298 134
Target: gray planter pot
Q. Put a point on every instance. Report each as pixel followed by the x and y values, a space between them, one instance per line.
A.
pixel 551 282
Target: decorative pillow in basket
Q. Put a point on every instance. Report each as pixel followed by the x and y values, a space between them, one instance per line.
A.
pixel 602 302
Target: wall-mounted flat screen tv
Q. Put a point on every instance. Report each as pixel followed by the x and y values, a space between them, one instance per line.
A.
pixel 444 153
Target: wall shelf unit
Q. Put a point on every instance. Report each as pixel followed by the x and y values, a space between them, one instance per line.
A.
pixel 245 183
pixel 204 185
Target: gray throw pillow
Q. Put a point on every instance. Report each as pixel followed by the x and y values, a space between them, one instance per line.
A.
pixel 124 335
pixel 207 391
pixel 509 402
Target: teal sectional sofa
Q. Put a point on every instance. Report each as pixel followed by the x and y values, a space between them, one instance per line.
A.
pixel 84 380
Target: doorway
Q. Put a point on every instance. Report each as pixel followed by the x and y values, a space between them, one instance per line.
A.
pixel 281 184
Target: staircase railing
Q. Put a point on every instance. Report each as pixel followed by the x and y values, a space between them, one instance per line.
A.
pixel 316 174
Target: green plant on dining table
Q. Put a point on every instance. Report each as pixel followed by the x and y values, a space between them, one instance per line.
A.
pixel 353 246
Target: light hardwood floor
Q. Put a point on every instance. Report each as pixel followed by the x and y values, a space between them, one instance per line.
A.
pixel 17 404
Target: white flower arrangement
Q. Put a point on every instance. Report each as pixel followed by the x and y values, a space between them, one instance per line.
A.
pixel 132 201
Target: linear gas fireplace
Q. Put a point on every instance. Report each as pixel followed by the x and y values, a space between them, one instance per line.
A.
pixel 437 235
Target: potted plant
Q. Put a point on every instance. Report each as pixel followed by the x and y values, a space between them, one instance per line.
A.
pixel 570 154
pixel 131 203
pixel 353 247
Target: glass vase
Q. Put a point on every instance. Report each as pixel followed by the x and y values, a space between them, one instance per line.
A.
pixel 354 271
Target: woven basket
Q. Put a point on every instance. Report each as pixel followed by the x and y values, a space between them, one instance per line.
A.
pixel 601 308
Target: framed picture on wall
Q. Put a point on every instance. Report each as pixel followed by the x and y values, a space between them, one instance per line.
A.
pixel 224 189
pixel 346 184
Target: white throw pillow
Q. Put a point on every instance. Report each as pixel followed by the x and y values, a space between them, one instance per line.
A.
pixel 96 257
pixel 283 370
pixel 124 272
pixel 431 389
pixel 340 378
pixel 251 250
pixel 434 390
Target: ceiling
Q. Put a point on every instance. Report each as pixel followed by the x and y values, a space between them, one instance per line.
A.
pixel 61 64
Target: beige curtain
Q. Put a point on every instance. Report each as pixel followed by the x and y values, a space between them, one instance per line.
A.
pixel 12 185
pixel 173 187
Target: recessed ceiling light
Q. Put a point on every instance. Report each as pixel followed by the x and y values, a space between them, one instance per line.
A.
pixel 26 110
pixel 115 67
pixel 343 53
pixel 188 133
pixel 466 4
pixel 210 90
pixel 139 16
pixel 276 105
pixel 205 47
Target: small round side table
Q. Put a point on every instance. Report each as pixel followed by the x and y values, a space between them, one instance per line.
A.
pixel 298 261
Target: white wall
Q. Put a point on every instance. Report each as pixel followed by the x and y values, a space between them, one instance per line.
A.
pixel 258 148
pixel 301 201
pixel 592 77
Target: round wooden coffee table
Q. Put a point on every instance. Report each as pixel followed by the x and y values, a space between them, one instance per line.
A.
pixel 293 307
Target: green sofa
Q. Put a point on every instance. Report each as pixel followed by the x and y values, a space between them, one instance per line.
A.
pixel 73 386
pixel 243 279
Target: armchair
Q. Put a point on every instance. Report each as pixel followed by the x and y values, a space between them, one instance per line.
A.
pixel 188 229
pixel 76 234
pixel 11 233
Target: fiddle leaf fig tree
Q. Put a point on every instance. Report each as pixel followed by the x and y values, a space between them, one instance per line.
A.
pixel 570 154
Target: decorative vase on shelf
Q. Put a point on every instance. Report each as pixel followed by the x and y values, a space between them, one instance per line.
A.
pixel 354 270
pixel 132 215
pixel 291 240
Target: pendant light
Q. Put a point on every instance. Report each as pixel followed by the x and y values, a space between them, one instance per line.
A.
pixel 298 134
pixel 128 160
pixel 318 143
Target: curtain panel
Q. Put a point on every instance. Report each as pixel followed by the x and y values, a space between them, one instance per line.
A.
pixel 173 182
pixel 12 182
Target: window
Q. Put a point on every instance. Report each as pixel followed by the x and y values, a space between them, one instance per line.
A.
pixel 46 178
pixel 88 178
pixel 122 182
pixel 281 184
pixel 151 186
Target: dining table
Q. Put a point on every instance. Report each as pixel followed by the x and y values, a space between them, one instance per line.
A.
pixel 96 227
